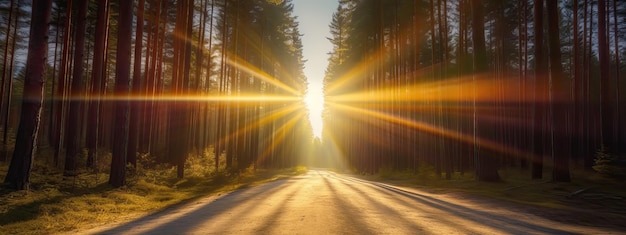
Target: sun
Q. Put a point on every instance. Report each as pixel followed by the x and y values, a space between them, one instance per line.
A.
pixel 314 100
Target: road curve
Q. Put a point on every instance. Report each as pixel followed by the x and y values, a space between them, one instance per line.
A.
pixel 323 202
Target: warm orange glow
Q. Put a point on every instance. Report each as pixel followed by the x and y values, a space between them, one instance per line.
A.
pixel 195 98
pixel 427 128
pixel 250 69
pixel 279 135
pixel 479 88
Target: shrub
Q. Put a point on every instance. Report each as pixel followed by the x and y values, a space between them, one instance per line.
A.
pixel 610 164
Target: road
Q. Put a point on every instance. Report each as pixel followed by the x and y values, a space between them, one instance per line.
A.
pixel 323 202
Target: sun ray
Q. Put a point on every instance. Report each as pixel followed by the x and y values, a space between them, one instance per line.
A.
pixel 427 128
pixel 274 115
pixel 246 67
pixel 479 88
pixel 194 98
pixel 279 136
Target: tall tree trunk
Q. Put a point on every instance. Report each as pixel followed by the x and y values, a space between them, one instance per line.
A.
pixel 620 126
pixel 5 118
pixel 486 164
pixel 117 178
pixel 131 155
pixel 180 80
pixel 620 109
pixel 560 100
pixel 9 88
pixel 606 86
pixel 97 77
pixel 540 90
pixel 61 92
pixel 72 135
pixel 18 175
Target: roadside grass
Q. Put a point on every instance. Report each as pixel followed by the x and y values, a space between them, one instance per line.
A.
pixel 58 204
pixel 587 192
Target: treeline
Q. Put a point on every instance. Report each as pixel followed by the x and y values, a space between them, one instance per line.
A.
pixel 154 81
pixel 474 85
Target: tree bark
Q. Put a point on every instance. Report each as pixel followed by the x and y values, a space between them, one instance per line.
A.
pixel 97 78
pixel 486 164
pixel 117 177
pixel 131 155
pixel 18 175
pixel 560 100
pixel 540 87
pixel 72 134
pixel 606 86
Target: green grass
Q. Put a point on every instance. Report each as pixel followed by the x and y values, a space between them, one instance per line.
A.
pixel 58 204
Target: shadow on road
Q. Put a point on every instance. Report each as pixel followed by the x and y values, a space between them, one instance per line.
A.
pixel 185 218
pixel 325 202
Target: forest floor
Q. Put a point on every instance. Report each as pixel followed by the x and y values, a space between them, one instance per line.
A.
pixel 57 204
pixel 589 199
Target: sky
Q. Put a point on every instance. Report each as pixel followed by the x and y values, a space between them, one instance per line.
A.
pixel 314 17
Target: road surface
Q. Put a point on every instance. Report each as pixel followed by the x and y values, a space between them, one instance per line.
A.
pixel 323 202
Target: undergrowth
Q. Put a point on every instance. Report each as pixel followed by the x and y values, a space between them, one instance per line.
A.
pixel 58 204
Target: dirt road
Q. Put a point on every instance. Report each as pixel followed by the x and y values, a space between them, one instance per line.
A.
pixel 322 202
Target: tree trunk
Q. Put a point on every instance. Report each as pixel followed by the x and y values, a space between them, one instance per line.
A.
pixel 131 155
pixel 560 100
pixel 61 102
pixel 606 86
pixel 72 135
pixel 18 175
pixel 97 77
pixel 5 118
pixel 117 178
pixel 486 164
pixel 540 88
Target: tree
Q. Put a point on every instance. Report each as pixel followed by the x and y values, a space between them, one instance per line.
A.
pixel 4 78
pixel 609 127
pixel 486 165
pixel 135 111
pixel 560 99
pixel 117 177
pixel 178 111
pixel 72 135
pixel 18 175
pixel 540 92
pixel 61 92
pixel 97 80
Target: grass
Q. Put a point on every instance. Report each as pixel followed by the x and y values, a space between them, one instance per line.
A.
pixel 589 198
pixel 58 204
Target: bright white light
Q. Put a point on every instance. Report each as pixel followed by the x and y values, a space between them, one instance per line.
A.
pixel 314 100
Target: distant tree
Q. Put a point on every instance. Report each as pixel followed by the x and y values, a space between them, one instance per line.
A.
pixel 18 175
pixel 4 80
